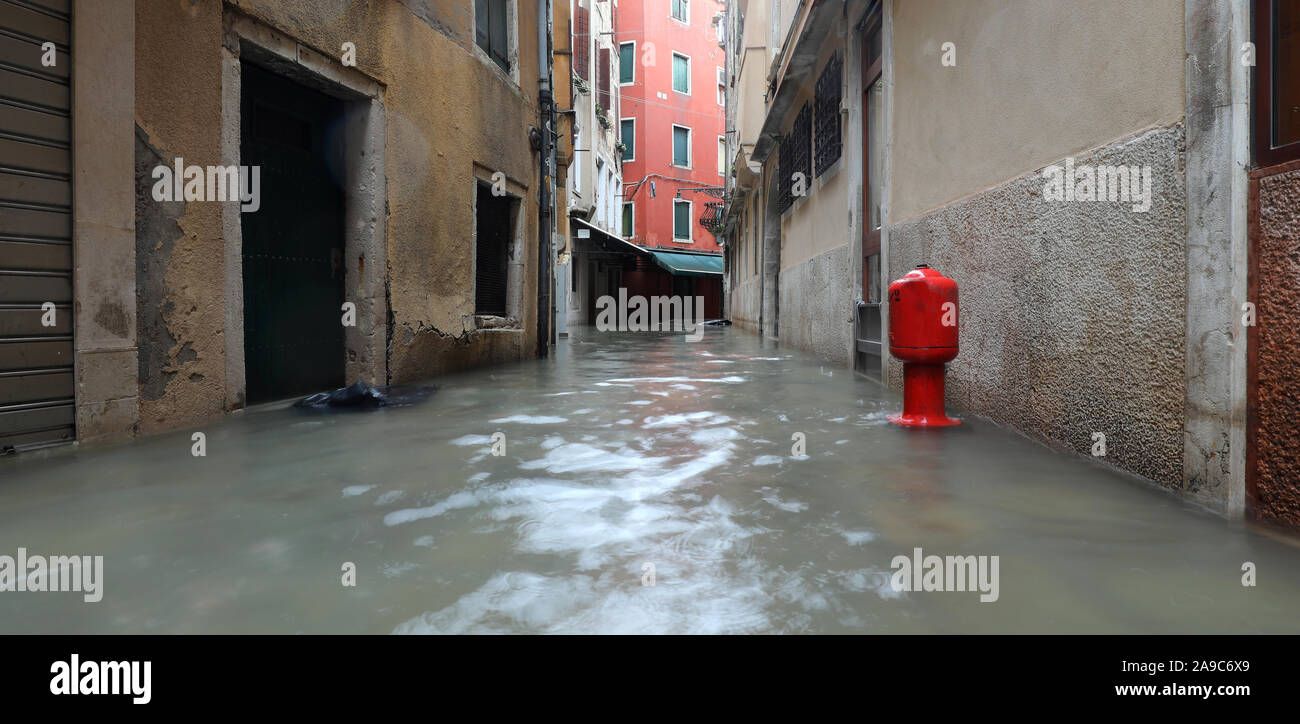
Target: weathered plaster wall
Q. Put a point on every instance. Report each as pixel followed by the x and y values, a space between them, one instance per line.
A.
pixel 448 110
pixel 1023 92
pixel 816 308
pixel 1277 437
pixel 180 260
pixel 1071 313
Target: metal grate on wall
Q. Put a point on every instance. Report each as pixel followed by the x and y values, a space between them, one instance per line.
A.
pixel 36 345
pixel 828 115
pixel 795 158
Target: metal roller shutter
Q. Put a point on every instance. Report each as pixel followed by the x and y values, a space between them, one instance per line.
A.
pixel 36 373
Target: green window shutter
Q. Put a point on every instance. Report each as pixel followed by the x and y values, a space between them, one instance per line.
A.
pixel 500 42
pixel 481 24
pixel 681 147
pixel 626 71
pixel 681 221
pixel 628 128
pixel 681 74
pixel 627 220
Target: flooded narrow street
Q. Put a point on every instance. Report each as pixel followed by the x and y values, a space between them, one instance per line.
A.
pixel 629 459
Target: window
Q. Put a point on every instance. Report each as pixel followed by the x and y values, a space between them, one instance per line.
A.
pixel 681 73
pixel 795 158
pixel 629 219
pixel 722 87
pixel 681 10
pixel 626 63
pixel 722 156
pixel 681 220
pixel 581 44
pixel 828 115
pixel 490 31
pixel 602 80
pixel 493 224
pixel 681 146
pixel 1276 94
pixel 627 127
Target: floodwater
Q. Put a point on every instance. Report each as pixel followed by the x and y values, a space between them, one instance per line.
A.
pixel 629 460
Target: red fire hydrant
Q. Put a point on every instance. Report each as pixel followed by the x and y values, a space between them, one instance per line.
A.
pixel 923 333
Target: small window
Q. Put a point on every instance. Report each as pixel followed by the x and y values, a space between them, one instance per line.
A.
pixel 681 10
pixel 681 146
pixel 603 97
pixel 627 126
pixel 581 43
pixel 493 222
pixel 681 220
pixel 1276 94
pixel 626 63
pixel 491 32
pixel 681 73
pixel 722 156
pixel 722 87
pixel 629 219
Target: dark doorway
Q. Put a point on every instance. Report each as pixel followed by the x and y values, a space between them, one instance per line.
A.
pixel 868 335
pixel 293 244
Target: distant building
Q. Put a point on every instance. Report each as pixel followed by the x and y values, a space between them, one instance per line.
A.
pixel 593 182
pixel 669 66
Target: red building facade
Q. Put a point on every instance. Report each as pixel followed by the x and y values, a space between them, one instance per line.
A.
pixel 672 124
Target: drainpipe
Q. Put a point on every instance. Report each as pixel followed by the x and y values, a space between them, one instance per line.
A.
pixel 545 218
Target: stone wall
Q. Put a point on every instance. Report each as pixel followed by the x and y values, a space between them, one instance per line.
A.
pixel 1071 312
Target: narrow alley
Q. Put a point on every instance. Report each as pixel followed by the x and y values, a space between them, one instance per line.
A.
pixel 646 485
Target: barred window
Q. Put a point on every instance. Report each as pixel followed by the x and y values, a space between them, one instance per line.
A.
pixel 795 158
pixel 828 115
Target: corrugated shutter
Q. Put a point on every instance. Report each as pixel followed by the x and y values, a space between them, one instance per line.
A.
pixel 36 372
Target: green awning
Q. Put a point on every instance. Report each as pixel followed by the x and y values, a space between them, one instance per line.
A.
pixel 689 265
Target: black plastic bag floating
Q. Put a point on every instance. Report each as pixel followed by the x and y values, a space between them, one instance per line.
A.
pixel 360 395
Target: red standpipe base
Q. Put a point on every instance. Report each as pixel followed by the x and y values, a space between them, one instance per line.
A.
pixel 923 397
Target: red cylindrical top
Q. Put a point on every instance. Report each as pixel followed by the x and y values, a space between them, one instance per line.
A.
pixel 923 316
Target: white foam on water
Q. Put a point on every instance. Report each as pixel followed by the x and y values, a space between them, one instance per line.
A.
pixel 467 440
pixel 531 420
